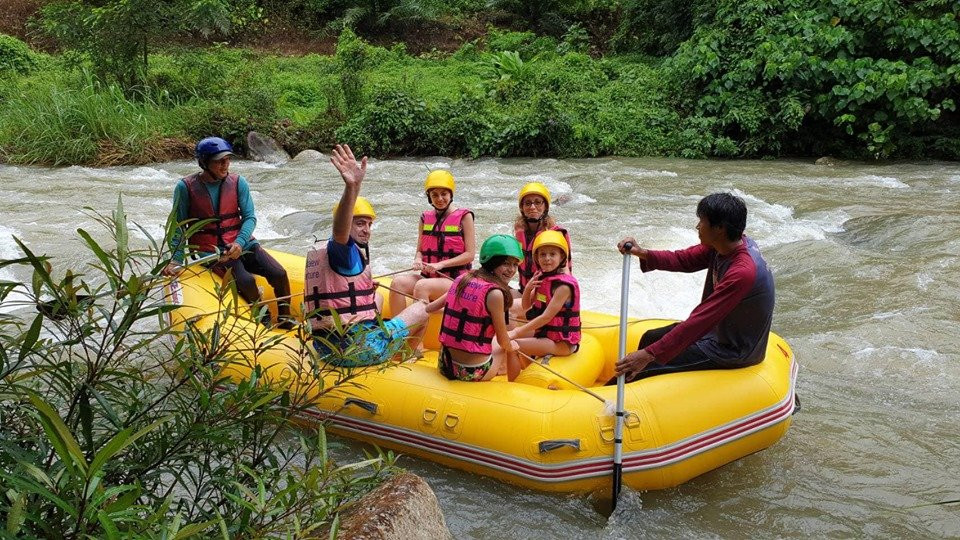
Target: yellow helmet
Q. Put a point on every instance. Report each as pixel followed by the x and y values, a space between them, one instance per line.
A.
pixel 361 207
pixel 551 238
pixel 534 188
pixel 439 179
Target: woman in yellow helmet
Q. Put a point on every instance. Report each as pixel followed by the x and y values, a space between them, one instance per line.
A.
pixel 534 218
pixel 446 245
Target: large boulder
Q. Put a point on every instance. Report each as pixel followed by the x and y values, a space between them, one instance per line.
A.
pixel 827 161
pixel 263 148
pixel 403 508
pixel 309 155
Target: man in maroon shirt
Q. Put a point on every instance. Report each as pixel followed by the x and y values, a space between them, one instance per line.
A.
pixel 730 326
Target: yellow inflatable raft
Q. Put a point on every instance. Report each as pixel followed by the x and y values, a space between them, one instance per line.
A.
pixel 539 432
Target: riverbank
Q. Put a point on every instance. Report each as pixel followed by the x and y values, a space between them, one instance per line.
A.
pixel 794 82
pixel 517 96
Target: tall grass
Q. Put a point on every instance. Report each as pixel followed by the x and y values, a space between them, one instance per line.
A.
pixel 57 120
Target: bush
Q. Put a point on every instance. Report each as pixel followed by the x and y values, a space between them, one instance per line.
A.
pixel 16 56
pixel 787 76
pixel 115 425
pixel 462 127
pixel 527 44
pixel 658 27
pixel 388 125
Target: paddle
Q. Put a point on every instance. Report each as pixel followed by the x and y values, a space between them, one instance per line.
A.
pixel 621 352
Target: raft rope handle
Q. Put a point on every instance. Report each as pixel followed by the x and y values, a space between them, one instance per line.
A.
pixel 368 406
pixel 394 273
pixel 556 444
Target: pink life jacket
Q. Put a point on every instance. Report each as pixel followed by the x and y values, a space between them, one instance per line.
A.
pixel 443 240
pixel 225 227
pixel 467 324
pixel 352 297
pixel 565 325
pixel 528 266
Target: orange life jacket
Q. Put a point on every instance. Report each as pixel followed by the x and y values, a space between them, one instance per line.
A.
pixel 226 225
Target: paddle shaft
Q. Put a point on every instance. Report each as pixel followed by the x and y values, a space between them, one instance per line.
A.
pixel 621 352
pixel 575 383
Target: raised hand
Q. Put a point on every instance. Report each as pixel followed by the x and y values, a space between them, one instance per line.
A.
pixel 351 171
pixel 534 282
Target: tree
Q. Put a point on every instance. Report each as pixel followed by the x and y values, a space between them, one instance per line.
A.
pixel 116 35
pixel 876 77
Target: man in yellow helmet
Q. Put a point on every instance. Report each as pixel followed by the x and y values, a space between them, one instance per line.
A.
pixel 338 282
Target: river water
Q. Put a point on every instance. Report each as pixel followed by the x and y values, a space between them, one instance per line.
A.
pixel 868 278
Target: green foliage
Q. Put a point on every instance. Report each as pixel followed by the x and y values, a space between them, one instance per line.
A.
pixel 219 18
pixel 76 120
pixel 756 78
pixel 369 17
pixel 860 78
pixel 351 57
pixel 116 425
pixel 389 124
pixel 527 44
pixel 117 35
pixel 544 15
pixel 16 56
pixel 658 27
pixel 508 66
pixel 575 40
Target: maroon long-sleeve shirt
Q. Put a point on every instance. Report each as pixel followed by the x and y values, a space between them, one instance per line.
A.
pixel 732 323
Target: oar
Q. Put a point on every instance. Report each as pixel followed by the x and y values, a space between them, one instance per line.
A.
pixel 621 352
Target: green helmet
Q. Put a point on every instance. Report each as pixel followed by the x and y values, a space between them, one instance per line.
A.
pixel 500 244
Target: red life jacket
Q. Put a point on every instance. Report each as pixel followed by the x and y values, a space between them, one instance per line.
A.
pixel 467 324
pixel 528 267
pixel 226 225
pixel 352 297
pixel 443 240
pixel 565 325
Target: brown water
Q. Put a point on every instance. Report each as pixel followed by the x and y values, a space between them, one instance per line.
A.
pixel 868 279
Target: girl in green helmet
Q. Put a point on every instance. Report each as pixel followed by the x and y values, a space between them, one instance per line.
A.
pixel 476 313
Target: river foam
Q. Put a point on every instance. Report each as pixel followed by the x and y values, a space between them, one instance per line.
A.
pixel 10 250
